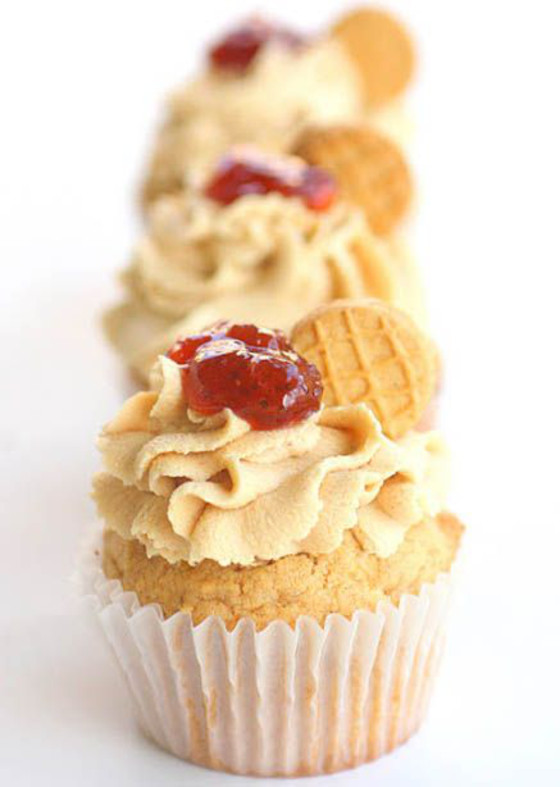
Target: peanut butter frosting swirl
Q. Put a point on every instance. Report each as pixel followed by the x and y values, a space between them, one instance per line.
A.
pixel 264 258
pixel 190 487
pixel 198 249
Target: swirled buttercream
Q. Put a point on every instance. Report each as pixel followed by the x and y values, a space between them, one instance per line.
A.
pixel 265 259
pixel 190 487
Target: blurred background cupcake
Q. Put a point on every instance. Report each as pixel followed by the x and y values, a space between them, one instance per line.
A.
pixel 265 238
pixel 263 83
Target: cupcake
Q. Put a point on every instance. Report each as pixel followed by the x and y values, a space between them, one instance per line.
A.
pixel 276 557
pixel 263 239
pixel 264 83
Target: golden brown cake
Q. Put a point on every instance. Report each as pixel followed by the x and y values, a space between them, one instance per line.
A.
pixel 317 585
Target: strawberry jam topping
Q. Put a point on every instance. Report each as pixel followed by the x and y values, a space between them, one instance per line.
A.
pixel 237 50
pixel 250 173
pixel 252 371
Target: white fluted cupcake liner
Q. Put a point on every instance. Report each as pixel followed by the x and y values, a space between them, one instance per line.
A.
pixel 281 701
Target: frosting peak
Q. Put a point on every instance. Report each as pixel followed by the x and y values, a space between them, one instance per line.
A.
pixel 264 259
pixel 190 487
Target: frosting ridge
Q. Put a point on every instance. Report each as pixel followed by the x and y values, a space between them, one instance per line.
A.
pixel 190 487
pixel 264 259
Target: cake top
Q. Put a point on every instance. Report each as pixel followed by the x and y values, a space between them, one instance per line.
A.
pixel 231 456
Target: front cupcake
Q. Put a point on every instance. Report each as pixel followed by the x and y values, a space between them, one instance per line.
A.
pixel 262 239
pixel 264 83
pixel 275 571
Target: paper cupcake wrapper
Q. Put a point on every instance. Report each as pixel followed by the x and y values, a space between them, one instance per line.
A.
pixel 281 701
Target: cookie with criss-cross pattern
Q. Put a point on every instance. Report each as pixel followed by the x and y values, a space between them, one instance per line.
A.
pixel 370 170
pixel 367 351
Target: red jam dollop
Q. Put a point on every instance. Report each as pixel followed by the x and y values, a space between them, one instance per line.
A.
pixel 252 371
pixel 239 175
pixel 237 50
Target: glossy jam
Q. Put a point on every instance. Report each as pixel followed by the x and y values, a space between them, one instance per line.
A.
pixel 237 176
pixel 252 371
pixel 236 51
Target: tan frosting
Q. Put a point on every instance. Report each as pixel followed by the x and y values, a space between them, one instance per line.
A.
pixel 283 90
pixel 190 487
pixel 198 250
pixel 264 259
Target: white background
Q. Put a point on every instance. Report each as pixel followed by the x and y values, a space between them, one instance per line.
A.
pixel 81 84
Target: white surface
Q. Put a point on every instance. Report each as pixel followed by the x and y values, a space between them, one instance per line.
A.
pixel 80 88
